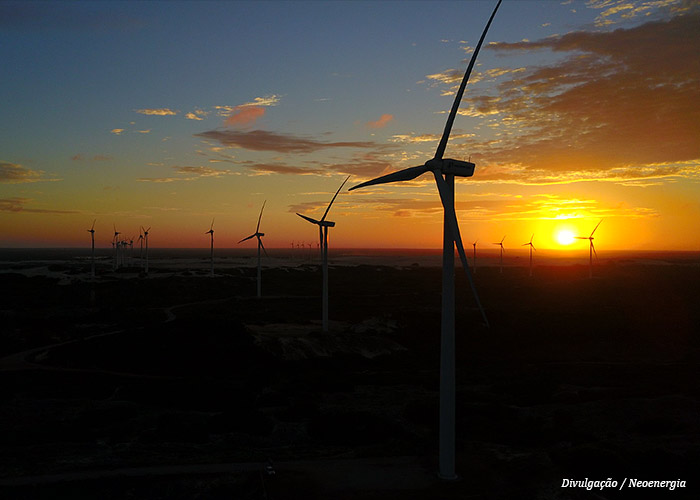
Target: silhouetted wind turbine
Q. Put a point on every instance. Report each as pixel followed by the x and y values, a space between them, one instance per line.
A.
pixel 323 226
pixel 502 250
pixel 92 255
pixel 145 237
pixel 591 249
pixel 115 245
pixel 211 232
pixel 474 259
pixel 532 247
pixel 257 234
pixel 444 171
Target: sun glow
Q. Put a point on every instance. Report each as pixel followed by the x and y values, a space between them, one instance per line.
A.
pixel 565 237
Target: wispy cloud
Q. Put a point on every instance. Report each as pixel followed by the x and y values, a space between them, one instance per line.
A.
pixel 117 131
pixel 188 173
pixel 381 122
pixel 249 112
pixel 17 204
pixel 261 140
pixel 80 157
pixel 245 115
pixel 12 173
pixel 157 111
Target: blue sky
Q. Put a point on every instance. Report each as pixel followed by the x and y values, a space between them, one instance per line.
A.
pixel 171 113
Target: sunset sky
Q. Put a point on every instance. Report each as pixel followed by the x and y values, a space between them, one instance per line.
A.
pixel 170 114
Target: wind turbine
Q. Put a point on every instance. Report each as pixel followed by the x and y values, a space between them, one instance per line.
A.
pixel 257 234
pixel 532 247
pixel 211 232
pixel 323 226
pixel 145 238
pixel 502 250
pixel 474 259
pixel 591 249
pixel 444 171
pixel 92 257
pixel 115 245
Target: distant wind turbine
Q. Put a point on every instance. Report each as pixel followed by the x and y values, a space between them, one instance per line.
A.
pixel 145 238
pixel 323 226
pixel 502 250
pixel 92 255
pixel 211 233
pixel 257 234
pixel 115 245
pixel 444 171
pixel 474 259
pixel 532 247
pixel 591 249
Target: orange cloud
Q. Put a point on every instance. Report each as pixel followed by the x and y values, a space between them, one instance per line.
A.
pixel 261 140
pixel 245 115
pixel 383 120
pixel 621 105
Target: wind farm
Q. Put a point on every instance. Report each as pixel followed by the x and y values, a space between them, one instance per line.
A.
pixel 374 365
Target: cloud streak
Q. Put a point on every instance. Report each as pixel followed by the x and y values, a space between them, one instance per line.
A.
pixel 381 122
pixel 12 173
pixel 17 205
pixel 261 140
pixel 157 112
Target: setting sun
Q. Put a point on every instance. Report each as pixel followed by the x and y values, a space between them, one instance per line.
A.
pixel 565 237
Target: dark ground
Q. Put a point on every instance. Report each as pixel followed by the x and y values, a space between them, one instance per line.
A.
pixel 575 379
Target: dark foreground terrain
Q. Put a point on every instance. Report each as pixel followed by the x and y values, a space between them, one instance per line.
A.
pixel 184 386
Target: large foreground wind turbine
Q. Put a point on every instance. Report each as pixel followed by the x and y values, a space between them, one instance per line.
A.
pixel 323 226
pixel 591 249
pixel 257 234
pixel 444 171
pixel 211 233
pixel 92 255
pixel 500 244
pixel 532 247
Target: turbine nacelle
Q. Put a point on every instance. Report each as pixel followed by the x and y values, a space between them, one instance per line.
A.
pixel 451 166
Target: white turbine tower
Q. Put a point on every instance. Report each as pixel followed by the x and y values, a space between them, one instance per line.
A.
pixel 145 238
pixel 211 233
pixel 591 249
pixel 257 234
pixel 444 171
pixel 92 255
pixel 323 226
pixel 500 244
pixel 532 247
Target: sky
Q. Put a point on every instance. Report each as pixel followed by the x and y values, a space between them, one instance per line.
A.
pixel 172 114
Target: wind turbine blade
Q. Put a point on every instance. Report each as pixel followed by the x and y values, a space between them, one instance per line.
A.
pixel 582 237
pixel 313 221
pixel 458 98
pixel 406 174
pixel 594 252
pixel 457 237
pixel 93 224
pixel 212 224
pixel 533 235
pixel 245 239
pixel 334 197
pixel 596 226
pixel 533 247
pixel 502 239
pixel 257 229
pixel 262 246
